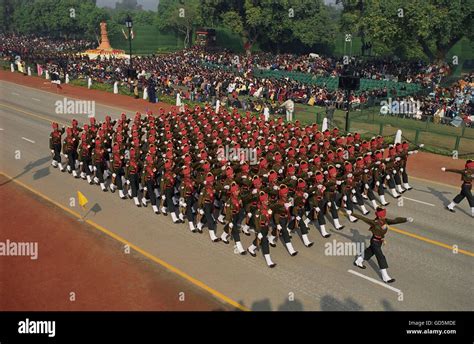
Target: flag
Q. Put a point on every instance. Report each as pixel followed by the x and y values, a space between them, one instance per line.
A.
pixel 39 69
pixel 132 35
pixel 124 34
pixel 82 199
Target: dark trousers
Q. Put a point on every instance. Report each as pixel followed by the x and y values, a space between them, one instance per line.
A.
pixel 150 186
pixel 465 193
pixel 208 210
pixel 57 152
pixel 189 208
pixel 85 165
pixel 118 178
pixel 71 160
pixel 284 231
pixel 169 193
pixel 99 173
pixel 405 176
pixel 134 180
pixel 375 248
pixel 264 242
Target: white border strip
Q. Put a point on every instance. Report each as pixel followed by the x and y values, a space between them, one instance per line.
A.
pixel 398 291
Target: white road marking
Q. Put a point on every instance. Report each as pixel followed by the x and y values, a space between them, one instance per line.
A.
pixel 15 94
pixel 36 99
pixel 383 284
pixel 1 129
pixel 415 200
pixel 24 138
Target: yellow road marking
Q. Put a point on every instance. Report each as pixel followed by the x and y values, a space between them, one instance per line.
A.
pixel 430 241
pixel 33 115
pixel 422 238
pixel 434 242
pixel 161 262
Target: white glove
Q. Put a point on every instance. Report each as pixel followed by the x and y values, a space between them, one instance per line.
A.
pixel 377 163
pixel 227 187
pixel 298 218
pixel 145 189
pixel 270 211
pixel 287 205
pixel 349 175
pixel 344 198
pixel 338 166
pixel 163 197
pixel 387 177
pixel 397 158
pixel 366 171
pixel 231 225
pixel 254 191
pixel 410 219
pixel 260 236
pixel 320 186
pixel 275 187
pixel 200 211
pixel 443 169
pixel 394 172
pixel 128 182
pixel 338 182
pixel 377 183
pixel 317 209
pixel 366 186
pixel 249 215
pixel 280 170
pixel 279 227
pixel 223 168
pixel 353 191
pixel 293 177
pixel 401 169
pixel 52 151
pixel 305 195
pixel 310 174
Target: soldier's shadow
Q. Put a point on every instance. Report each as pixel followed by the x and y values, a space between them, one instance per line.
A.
pixel 32 164
pixel 441 196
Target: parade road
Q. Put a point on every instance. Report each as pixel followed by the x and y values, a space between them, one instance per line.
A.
pixel 432 258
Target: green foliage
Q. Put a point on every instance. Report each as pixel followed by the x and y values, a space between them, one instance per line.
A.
pixel 410 28
pixel 66 18
pixel 179 17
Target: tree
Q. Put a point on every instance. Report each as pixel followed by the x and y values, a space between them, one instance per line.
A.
pixel 402 26
pixel 274 24
pixel 181 17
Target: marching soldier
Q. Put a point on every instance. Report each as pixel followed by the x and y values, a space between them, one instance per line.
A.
pixel 55 145
pixel 132 172
pixel 379 228
pixel 98 160
pixel 262 220
pixel 69 150
pixel 206 207
pixel 117 166
pixel 85 158
pixel 186 200
pixel 467 174
pixel 234 213
pixel 148 181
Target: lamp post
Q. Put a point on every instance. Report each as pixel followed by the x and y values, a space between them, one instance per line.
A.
pixel 129 25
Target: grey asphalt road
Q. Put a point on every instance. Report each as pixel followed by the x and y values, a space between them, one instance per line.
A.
pixel 431 258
